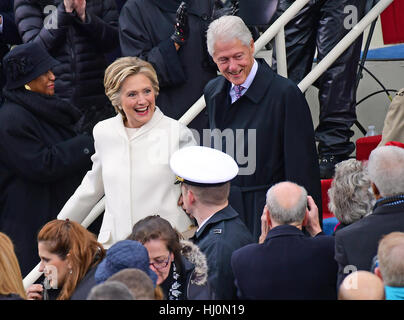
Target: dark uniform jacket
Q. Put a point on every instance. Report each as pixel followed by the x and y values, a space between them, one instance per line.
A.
pixel 284 147
pixel 223 233
pixel 42 162
pixel 356 244
pixel 145 27
pixel 78 46
pixel 288 265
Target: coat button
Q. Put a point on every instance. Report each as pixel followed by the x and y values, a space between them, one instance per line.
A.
pixel 86 151
pixel 204 17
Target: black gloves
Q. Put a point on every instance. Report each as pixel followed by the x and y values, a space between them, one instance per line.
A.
pixel 219 10
pixel 181 25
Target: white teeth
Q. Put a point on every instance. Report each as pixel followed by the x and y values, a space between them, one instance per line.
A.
pixel 141 109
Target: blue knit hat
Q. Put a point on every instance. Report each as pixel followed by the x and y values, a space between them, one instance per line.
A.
pixel 124 254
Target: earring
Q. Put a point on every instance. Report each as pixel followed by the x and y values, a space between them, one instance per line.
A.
pixel 27 87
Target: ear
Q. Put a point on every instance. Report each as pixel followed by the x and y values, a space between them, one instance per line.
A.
pixel 376 191
pixel 191 196
pixel 266 210
pixel 252 46
pixel 69 264
pixel 378 273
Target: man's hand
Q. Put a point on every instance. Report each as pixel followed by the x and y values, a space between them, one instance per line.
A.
pixel 181 25
pixel 312 223
pixel 80 7
pixel 69 5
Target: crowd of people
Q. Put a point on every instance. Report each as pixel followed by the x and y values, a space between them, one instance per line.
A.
pixel 92 101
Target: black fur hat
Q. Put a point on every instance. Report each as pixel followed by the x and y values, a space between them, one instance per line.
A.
pixel 25 63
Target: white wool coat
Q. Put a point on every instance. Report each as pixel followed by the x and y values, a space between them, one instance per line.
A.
pixel 134 175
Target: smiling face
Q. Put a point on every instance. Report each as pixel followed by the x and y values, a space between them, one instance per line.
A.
pixel 44 84
pixel 161 258
pixel 234 59
pixel 54 268
pixel 138 100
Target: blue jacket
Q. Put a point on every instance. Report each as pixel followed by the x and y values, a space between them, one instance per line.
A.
pixel 288 265
pixel 223 233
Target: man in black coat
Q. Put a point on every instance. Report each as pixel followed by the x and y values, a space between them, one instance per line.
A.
pixel 356 245
pixel 8 34
pixel 77 34
pixel 287 264
pixel 205 174
pixel 267 127
pixel 184 67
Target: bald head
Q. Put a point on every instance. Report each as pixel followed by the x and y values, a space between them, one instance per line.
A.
pixel 287 203
pixel 361 285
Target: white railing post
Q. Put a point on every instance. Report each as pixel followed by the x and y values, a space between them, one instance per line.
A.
pixel 281 60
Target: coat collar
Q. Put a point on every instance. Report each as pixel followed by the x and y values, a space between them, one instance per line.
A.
pixel 389 209
pixel 226 213
pixel 258 88
pixel 120 128
pixel 283 230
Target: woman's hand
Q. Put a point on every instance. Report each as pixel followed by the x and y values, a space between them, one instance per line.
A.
pixel 34 292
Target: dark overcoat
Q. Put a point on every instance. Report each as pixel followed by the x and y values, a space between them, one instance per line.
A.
pixel 288 265
pixel 283 148
pixel 356 244
pixel 222 234
pixel 42 162
pixel 80 47
pixel 145 27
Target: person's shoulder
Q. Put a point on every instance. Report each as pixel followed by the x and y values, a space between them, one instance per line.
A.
pixel 214 85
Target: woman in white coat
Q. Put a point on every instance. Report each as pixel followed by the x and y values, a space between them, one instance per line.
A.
pixel 131 160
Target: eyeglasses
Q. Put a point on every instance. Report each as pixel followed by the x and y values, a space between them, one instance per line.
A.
pixel 162 263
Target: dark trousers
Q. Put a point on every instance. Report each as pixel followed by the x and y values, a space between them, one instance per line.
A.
pixel 320 25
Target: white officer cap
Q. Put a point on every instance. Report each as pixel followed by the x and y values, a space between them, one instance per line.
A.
pixel 203 166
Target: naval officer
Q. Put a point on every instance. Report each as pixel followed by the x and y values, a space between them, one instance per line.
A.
pixel 205 175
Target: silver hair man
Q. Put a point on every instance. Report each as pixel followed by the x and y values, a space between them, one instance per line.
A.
pixel 350 194
pixel 287 203
pixel 386 171
pixel 226 29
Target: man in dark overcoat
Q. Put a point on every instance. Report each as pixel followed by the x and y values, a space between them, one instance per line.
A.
pixel 184 67
pixel 271 130
pixel 287 265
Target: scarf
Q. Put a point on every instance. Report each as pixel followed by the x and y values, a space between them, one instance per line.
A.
pixel 49 108
pixel 394 293
pixel 174 286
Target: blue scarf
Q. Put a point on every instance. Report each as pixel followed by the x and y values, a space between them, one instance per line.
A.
pixel 394 293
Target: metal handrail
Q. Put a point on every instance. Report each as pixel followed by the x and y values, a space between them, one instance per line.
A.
pixel 275 30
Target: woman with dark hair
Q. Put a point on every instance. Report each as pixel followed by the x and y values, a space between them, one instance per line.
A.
pixel 69 256
pixel 42 158
pixel 180 266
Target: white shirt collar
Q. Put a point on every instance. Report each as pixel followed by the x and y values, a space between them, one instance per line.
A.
pixel 246 84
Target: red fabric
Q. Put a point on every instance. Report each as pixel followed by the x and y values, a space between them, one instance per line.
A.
pixel 325 185
pixel 365 145
pixel 392 20
pixel 395 143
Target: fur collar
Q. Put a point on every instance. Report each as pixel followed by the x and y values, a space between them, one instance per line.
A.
pixel 193 254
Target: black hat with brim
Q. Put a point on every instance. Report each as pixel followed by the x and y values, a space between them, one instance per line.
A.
pixel 25 63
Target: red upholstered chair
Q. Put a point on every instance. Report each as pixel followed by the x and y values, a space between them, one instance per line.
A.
pixel 325 185
pixel 365 145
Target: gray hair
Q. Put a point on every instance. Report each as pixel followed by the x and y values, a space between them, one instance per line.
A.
pixel 226 29
pixel 137 281
pixel 390 254
pixel 386 170
pixel 111 290
pixel 283 215
pixel 350 194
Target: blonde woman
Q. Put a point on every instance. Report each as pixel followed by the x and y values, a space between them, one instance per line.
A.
pixel 11 286
pixel 131 161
